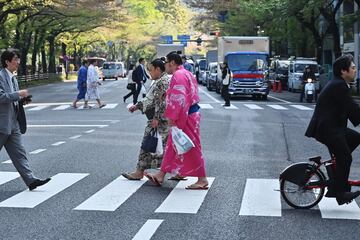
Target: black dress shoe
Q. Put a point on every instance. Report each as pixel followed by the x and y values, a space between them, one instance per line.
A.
pixel 346 197
pixel 330 193
pixel 37 183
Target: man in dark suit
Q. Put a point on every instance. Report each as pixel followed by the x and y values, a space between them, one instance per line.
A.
pixel 329 125
pixel 12 119
pixel 139 76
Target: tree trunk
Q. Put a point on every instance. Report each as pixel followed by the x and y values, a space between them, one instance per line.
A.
pixel 35 52
pixel 43 59
pixel 52 66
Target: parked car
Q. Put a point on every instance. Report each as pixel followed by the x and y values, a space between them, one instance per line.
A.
pixel 296 70
pixel 200 70
pixel 113 70
pixel 211 76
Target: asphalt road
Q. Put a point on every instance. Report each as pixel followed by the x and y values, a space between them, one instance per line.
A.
pixel 85 151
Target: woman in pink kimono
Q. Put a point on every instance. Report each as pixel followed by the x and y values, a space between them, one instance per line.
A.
pixel 182 111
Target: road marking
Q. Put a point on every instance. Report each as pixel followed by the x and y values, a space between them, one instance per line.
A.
pixel 330 209
pixel 181 200
pixel 301 107
pixel 58 143
pixel 7 161
pixel 260 198
pixel 90 131
pixel 67 125
pixel 75 137
pixel 278 99
pixel 110 106
pixel 38 108
pixel 111 196
pixel 82 107
pixel 61 107
pixel 205 106
pixel 231 107
pixel 8 176
pixel 253 106
pixel 30 199
pixel 277 107
pixel 147 231
pixel 37 151
pixel 209 96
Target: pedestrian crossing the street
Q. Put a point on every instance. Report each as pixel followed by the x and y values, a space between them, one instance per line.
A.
pixel 260 197
pixel 203 106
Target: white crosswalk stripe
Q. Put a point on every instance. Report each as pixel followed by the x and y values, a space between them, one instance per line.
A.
pixel 148 230
pixel 277 107
pixel 8 176
pixel 301 107
pixel 181 200
pixel 61 107
pixel 111 196
pixel 38 108
pixel 253 106
pixel 260 199
pixel 231 107
pixel 110 106
pixel 205 106
pixel 330 209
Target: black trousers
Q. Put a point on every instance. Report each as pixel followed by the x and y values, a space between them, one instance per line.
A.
pixel 132 92
pixel 137 92
pixel 225 94
pixel 342 145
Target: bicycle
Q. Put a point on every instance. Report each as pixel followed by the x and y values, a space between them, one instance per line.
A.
pixel 302 185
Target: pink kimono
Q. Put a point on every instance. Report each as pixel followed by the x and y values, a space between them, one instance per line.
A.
pixel 182 93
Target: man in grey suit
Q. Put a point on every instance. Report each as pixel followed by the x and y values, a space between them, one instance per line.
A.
pixel 12 118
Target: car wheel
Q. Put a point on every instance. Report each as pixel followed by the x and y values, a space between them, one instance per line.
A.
pixel 208 87
pixel 103 79
pixel 264 97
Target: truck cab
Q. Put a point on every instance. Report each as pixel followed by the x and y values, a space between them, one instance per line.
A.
pixel 249 74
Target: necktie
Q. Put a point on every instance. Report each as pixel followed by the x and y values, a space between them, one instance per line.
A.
pixel 15 88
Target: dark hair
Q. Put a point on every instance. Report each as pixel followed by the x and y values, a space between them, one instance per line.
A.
pixel 174 57
pixel 158 63
pixel 8 55
pixel 84 62
pixel 91 61
pixel 131 67
pixel 141 59
pixel 163 59
pixel 342 63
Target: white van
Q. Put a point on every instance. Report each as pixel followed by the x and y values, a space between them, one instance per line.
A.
pixel 296 70
pixel 113 70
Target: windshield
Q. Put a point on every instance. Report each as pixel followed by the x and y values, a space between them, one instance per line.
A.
pixel 247 62
pixel 109 66
pixel 282 67
pixel 300 68
pixel 202 64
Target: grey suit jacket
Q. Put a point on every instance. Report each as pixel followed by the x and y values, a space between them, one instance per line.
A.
pixel 7 111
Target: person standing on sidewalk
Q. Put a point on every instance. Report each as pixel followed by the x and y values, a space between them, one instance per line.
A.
pixel 225 84
pixel 92 83
pixel 81 83
pixel 13 120
pixel 182 111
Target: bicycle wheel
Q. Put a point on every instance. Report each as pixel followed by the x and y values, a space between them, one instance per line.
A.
pixel 301 197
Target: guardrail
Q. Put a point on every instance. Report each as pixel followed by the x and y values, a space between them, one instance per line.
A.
pixel 37 77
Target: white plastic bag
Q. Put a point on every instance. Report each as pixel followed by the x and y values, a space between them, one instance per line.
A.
pixel 143 90
pixel 159 146
pixel 181 141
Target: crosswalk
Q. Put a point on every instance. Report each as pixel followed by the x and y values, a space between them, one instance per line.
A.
pixel 204 106
pixel 259 198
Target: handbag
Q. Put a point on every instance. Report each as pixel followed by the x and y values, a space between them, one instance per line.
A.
pixel 150 141
pixel 130 86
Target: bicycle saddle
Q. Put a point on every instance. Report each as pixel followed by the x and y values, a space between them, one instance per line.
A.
pixel 315 159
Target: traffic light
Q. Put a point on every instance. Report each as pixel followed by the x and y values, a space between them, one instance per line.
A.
pixel 199 41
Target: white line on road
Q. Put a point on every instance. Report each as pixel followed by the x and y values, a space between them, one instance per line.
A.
pixel 181 200
pixel 111 196
pixel 278 99
pixel 7 161
pixel 66 125
pixel 37 151
pixel 260 198
pixel 30 199
pixel 253 106
pixel 301 107
pixel 110 106
pixel 207 94
pixel 90 131
pixel 147 231
pixel 231 107
pixel 61 107
pixel 205 106
pixel 58 143
pixel 38 108
pixel 277 107
pixel 75 137
pixel 8 176
pixel 330 209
